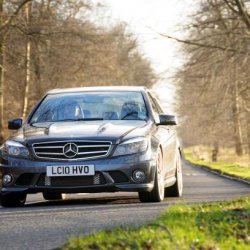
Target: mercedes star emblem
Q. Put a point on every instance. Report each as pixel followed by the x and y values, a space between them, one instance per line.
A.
pixel 70 150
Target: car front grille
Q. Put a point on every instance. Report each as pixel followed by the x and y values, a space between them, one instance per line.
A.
pixel 75 181
pixel 71 150
pixel 71 181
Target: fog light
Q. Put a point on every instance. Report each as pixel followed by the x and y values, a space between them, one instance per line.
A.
pixel 7 179
pixel 139 176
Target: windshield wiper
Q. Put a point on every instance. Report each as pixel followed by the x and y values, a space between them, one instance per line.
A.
pixel 129 114
pixel 71 120
pixel 80 119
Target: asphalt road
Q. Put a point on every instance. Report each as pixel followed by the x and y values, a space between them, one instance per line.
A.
pixel 46 225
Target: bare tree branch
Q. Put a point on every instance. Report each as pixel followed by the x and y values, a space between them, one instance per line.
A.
pixel 208 46
pixel 10 19
pixel 243 12
pixel 231 7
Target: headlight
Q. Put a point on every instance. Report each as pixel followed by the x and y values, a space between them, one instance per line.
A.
pixel 132 146
pixel 13 148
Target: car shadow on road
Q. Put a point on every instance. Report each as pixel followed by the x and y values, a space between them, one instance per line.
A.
pixel 86 201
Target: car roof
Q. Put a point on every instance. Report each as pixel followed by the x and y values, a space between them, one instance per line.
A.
pixel 98 89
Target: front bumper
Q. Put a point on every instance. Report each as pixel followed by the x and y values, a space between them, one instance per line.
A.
pixel 111 175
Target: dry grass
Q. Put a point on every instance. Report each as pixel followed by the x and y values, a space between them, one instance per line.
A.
pixel 226 155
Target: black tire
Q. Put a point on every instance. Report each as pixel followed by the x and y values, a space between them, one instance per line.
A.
pixel 157 194
pixel 177 188
pixel 52 196
pixel 13 199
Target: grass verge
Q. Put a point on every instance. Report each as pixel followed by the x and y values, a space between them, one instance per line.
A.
pixel 231 169
pixel 214 226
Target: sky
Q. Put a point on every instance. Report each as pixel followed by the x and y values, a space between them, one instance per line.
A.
pixel 147 19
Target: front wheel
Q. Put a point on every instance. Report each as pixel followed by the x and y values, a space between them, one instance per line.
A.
pixel 13 199
pixel 157 194
pixel 177 188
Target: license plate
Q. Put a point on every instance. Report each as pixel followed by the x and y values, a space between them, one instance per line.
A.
pixel 72 170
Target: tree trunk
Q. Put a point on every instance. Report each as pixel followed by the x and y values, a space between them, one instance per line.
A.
pixel 236 118
pixel 28 56
pixel 248 133
pixel 1 74
pixel 37 68
pixel 215 152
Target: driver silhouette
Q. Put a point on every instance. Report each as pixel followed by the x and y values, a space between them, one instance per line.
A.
pixel 71 111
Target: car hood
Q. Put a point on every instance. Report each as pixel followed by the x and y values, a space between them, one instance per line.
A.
pixel 89 130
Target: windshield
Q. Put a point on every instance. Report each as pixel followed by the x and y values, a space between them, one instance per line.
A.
pixel 91 106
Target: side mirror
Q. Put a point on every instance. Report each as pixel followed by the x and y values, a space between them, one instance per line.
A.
pixel 167 120
pixel 15 124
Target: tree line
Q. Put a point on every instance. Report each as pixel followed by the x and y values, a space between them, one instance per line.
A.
pixel 47 44
pixel 213 86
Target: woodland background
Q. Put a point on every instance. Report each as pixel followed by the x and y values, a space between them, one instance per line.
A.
pixel 47 44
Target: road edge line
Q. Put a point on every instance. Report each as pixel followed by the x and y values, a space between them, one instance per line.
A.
pixel 219 173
